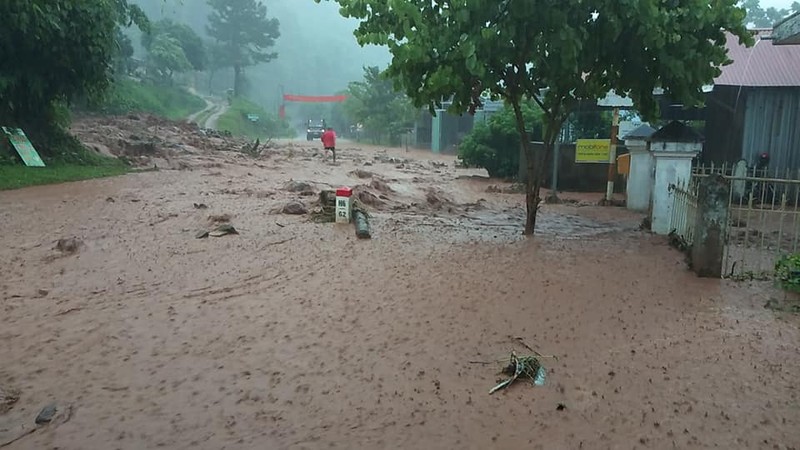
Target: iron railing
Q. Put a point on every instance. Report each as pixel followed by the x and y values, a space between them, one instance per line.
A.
pixel 764 218
pixel 684 211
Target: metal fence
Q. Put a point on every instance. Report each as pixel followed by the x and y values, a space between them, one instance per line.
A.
pixel 684 211
pixel 763 213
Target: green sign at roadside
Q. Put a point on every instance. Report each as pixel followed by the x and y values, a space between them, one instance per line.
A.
pixel 23 146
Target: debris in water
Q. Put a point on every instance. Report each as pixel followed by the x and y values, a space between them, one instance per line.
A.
pixel 46 414
pixel 216 219
pixel 362 225
pixel 327 213
pixel 8 397
pixel 299 187
pixel 223 230
pixel 295 208
pixel 200 206
pixel 69 246
pixel 522 366
pixel 359 173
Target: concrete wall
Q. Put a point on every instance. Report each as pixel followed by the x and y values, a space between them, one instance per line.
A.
pixel 640 181
pixel 724 125
pixel 447 131
pixel 744 122
pixel 573 177
pixel 669 169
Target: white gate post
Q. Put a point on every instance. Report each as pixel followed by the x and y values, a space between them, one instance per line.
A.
pixel 673 148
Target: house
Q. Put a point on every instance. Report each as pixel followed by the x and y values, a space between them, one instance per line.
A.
pixel 442 133
pixel 787 31
pixel 754 106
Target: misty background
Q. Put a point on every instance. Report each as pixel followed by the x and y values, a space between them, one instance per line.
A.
pixel 317 53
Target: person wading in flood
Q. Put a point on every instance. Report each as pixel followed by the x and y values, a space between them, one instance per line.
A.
pixel 329 142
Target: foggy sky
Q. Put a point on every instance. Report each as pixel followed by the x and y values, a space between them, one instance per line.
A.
pixel 777 4
pixel 317 52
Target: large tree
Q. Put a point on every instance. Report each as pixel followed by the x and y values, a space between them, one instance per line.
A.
pixel 54 51
pixel 173 48
pixel 246 33
pixel 557 53
pixel 191 45
pixel 374 102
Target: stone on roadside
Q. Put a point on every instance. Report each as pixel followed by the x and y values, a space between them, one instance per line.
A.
pixel 46 414
pixel 295 208
pixel 69 246
pixel 299 187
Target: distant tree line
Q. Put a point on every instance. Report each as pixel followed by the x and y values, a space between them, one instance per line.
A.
pixel 53 52
pixel 766 17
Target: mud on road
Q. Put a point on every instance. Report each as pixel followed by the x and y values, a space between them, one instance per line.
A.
pixel 296 335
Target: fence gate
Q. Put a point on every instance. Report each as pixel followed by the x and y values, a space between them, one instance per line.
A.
pixel 763 217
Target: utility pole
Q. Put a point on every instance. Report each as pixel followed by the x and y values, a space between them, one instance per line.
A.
pixel 612 157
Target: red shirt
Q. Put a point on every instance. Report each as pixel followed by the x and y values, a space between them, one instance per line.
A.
pixel 329 139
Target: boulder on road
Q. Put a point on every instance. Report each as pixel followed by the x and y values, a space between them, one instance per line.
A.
pixel 295 209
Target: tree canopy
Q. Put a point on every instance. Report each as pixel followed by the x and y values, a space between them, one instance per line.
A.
pixel 57 50
pixel 190 44
pixel 245 31
pixel 384 111
pixel 555 53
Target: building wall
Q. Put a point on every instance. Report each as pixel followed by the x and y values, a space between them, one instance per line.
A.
pixel 423 130
pixel 772 125
pixel 575 177
pixel 448 128
pixel 724 125
pixel 744 122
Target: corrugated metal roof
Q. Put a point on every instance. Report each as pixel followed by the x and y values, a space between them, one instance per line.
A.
pixel 763 65
pixel 644 131
pixel 676 131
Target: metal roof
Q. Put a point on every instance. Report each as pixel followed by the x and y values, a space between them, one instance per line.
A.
pixel 676 132
pixel 644 131
pixel 763 65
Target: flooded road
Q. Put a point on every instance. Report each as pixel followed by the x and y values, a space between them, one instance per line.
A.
pixel 296 335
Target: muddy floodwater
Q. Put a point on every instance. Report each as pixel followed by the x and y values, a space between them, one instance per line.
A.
pixel 294 334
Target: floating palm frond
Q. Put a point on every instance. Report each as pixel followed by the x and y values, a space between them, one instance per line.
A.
pixel 522 366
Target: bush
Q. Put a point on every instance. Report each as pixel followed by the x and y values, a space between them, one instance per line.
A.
pixel 495 145
pixel 787 272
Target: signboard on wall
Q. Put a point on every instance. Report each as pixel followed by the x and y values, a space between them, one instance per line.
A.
pixel 592 150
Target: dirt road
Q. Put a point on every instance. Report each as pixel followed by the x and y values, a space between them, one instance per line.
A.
pixel 295 335
pixel 209 116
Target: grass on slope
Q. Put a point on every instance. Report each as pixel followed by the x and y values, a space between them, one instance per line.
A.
pixel 15 177
pixel 269 125
pixel 74 163
pixel 129 96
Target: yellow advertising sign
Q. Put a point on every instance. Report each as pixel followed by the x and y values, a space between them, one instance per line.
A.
pixel 592 150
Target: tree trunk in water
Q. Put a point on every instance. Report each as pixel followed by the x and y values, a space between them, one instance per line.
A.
pixel 532 187
pixel 535 165
pixel 532 183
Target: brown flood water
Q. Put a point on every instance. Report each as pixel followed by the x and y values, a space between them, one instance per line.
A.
pixel 295 335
